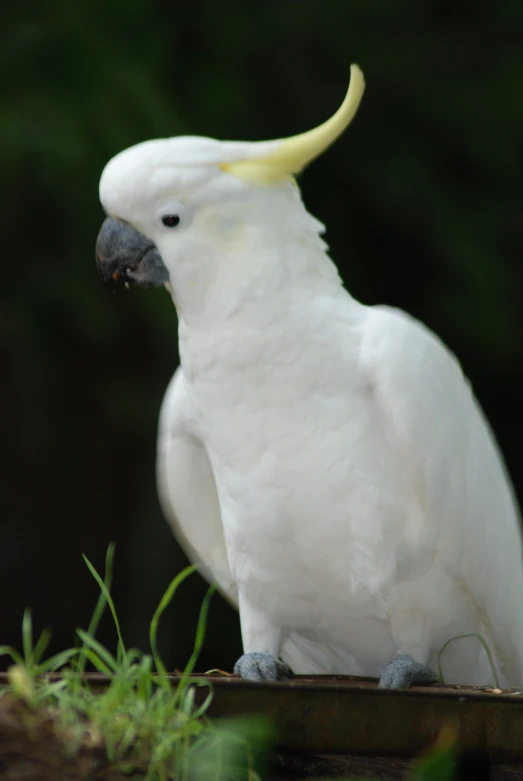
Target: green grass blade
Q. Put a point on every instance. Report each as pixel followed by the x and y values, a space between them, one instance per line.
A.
pixel 485 648
pixel 7 650
pixel 102 601
pixel 41 645
pixel 133 656
pixel 97 613
pixel 187 704
pixel 98 663
pixel 144 688
pixel 55 662
pixel 153 627
pixel 199 712
pixel 200 631
pixel 198 643
pixel 27 638
pixel 98 649
pixel 109 601
pixel 48 692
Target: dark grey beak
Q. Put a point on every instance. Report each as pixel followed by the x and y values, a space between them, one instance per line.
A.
pixel 127 256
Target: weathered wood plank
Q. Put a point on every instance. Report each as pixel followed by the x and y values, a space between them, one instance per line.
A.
pixel 330 727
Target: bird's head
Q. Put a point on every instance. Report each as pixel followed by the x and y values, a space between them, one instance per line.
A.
pixel 173 204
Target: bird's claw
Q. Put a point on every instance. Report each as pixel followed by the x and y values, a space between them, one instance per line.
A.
pixel 403 672
pixel 257 666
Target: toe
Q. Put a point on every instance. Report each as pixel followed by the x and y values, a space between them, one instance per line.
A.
pixel 404 672
pixel 260 667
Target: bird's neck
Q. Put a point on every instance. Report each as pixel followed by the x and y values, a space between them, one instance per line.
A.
pixel 272 312
pixel 255 267
pixel 253 285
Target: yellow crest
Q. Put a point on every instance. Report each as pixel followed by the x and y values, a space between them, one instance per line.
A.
pixel 293 154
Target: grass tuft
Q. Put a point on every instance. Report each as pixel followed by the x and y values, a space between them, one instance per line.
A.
pixel 143 724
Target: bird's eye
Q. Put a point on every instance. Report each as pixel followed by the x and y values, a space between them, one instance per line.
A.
pixel 170 220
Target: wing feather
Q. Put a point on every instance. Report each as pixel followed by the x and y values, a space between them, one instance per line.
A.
pixel 187 491
pixel 468 499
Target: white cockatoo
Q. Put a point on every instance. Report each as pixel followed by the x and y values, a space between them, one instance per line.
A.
pixel 324 462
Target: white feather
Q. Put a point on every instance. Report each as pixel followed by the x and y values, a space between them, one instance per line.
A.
pixel 325 462
pixel 376 516
pixel 188 495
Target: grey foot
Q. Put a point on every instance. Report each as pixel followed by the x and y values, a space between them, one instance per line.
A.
pixel 403 672
pixel 260 667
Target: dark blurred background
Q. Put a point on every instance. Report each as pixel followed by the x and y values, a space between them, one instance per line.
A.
pixel 422 199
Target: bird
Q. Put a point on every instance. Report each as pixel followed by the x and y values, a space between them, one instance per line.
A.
pixel 324 462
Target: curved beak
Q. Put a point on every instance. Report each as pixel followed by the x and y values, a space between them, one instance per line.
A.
pixel 123 255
